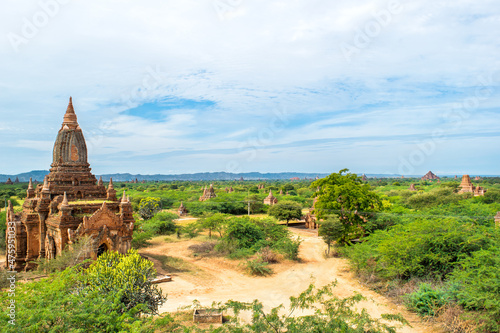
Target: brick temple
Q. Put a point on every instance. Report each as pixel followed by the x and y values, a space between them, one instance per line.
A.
pixel 69 204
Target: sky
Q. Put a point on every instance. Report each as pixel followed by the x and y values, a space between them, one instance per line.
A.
pixel 172 87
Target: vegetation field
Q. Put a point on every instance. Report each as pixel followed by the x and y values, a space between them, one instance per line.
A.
pixel 433 250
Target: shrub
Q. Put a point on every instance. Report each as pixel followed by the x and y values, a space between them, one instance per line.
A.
pixel 258 267
pixel 161 224
pixel 141 238
pixel 191 230
pixel 80 251
pixel 426 301
pixel 148 207
pixel 478 286
pixel 268 255
pixel 421 248
pixel 128 277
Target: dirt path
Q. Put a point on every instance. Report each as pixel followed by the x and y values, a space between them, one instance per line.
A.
pixel 220 279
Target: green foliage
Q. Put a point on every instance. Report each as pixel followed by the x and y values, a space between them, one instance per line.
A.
pixel 329 313
pixel 191 230
pixel 491 196
pixel 243 233
pixel 140 237
pixel 3 228
pixel 426 301
pixel 331 230
pixel 258 267
pixel 214 222
pixel 126 276
pixel 288 247
pixel 80 301
pixel 348 197
pixel 148 207
pixel 245 236
pixel 286 210
pixel 420 249
pixel 477 282
pixel 161 224
pixel 69 257
pixel 256 204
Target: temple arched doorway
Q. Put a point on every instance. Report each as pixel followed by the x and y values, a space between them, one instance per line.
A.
pixel 101 249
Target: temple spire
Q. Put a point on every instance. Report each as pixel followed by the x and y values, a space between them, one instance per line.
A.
pixel 30 184
pixel 45 187
pixel 70 116
pixel 65 200
pixel 110 185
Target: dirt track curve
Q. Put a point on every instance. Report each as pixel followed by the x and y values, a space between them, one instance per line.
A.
pixel 220 279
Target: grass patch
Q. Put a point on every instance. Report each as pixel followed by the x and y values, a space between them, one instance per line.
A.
pixel 173 264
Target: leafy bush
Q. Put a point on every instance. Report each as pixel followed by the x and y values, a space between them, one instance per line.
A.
pixel 426 301
pixel 191 230
pixel 423 248
pixel 161 224
pixel 141 238
pixel 126 276
pixel 80 251
pixel 148 207
pixel 258 267
pixel 107 298
pixel 478 286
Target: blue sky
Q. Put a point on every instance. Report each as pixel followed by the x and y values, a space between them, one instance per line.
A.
pixel 217 85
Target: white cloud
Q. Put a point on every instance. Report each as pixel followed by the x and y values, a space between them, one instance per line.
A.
pixel 249 60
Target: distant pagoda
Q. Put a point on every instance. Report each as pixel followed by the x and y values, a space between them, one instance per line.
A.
pixel 208 193
pixel 429 176
pixel 270 199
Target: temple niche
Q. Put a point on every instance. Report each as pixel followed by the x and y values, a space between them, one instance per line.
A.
pixel 466 186
pixel 71 203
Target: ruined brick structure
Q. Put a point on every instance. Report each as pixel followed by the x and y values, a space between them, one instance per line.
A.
pixel 412 187
pixel 363 178
pixel 9 182
pixel 182 210
pixel 71 203
pixel 310 218
pixel 270 199
pixel 208 193
pixel 467 186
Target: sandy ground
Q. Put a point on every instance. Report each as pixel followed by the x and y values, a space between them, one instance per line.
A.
pixel 220 279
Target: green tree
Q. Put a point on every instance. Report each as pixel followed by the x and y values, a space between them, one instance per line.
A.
pixel 286 210
pixel 214 222
pixel 346 195
pixel 331 230
pixel 148 207
pixel 256 204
